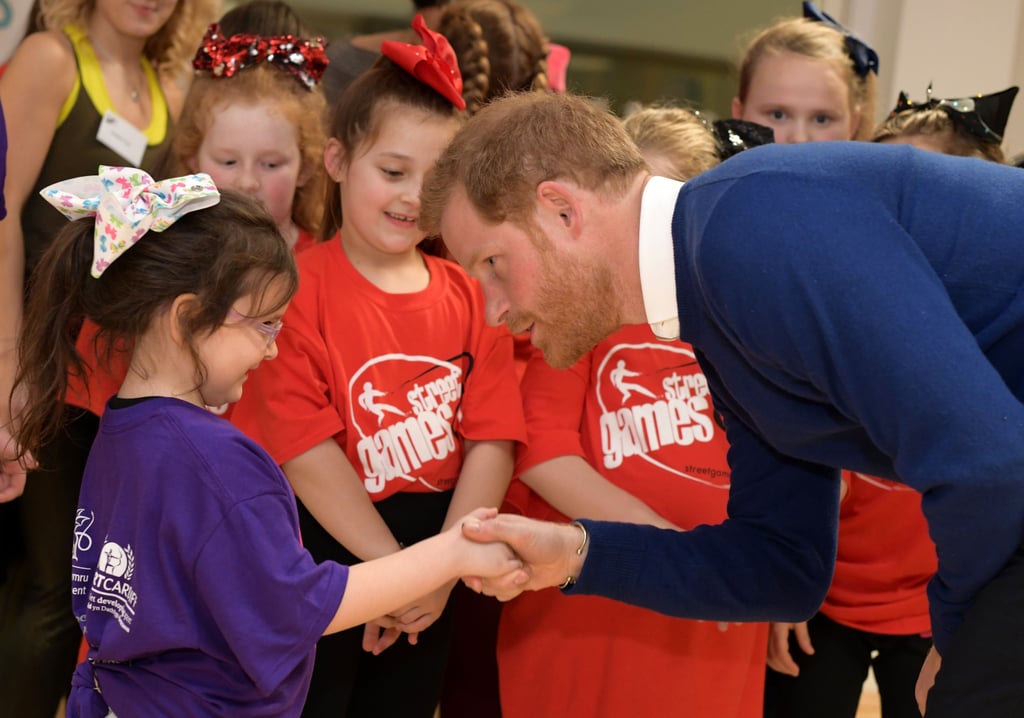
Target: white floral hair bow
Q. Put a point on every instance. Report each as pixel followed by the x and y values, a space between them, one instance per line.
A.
pixel 127 203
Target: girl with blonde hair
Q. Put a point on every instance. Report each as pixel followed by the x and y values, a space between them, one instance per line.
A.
pixel 808 79
pixel 964 127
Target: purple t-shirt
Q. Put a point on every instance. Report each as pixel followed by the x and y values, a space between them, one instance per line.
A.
pixel 189 579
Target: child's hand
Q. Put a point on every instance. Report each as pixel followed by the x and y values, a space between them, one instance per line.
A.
pixel 779 657
pixel 380 634
pixel 926 679
pixel 421 613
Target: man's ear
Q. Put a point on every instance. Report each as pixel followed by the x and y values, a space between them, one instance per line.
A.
pixel 334 159
pixel 559 200
pixel 182 306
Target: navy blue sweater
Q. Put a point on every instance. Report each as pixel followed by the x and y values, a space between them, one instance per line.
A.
pixel 857 306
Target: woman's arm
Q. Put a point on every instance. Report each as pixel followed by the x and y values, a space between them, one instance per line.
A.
pixel 32 108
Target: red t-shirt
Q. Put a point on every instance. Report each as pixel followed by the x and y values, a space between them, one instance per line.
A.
pixel 400 381
pixel 639 411
pixel 885 559
pixel 305 241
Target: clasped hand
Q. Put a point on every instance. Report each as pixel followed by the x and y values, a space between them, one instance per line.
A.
pixel 381 633
pixel 494 559
pixel 547 550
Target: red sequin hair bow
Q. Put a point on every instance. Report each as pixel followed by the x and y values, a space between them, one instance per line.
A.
pixel 432 63
pixel 224 56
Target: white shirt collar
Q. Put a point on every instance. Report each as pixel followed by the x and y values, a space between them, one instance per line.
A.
pixel 657 258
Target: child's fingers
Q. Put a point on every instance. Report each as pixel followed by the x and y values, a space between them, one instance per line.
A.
pixel 504 587
pixel 421 623
pixel 481 514
pixel 803 638
pixel 378 637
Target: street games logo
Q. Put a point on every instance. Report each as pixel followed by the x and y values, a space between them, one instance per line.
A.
pixel 654 399
pixel 404 409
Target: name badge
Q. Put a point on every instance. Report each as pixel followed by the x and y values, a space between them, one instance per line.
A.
pixel 122 137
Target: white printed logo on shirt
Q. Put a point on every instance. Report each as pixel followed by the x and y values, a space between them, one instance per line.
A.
pixel 83 541
pixel 111 590
pixel 403 408
pixel 645 409
pixel 79 547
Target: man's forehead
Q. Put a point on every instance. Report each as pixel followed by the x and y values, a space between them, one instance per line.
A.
pixel 462 223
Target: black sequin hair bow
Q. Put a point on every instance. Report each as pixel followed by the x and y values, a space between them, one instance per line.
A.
pixel 983 116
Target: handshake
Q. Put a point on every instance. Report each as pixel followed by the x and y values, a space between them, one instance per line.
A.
pixel 500 555
pixel 545 554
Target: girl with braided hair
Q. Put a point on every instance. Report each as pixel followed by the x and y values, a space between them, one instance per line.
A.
pixel 501 48
pixel 393 404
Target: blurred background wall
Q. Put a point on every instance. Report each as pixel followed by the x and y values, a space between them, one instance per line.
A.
pixel 686 50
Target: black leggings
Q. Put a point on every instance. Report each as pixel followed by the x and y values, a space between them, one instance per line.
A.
pixel 831 680
pixel 39 637
pixel 404 681
pixel 982 671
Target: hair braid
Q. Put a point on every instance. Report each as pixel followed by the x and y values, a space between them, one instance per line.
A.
pixel 471 48
pixel 501 48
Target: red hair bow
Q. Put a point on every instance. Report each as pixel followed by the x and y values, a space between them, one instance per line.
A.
pixel 432 63
pixel 224 56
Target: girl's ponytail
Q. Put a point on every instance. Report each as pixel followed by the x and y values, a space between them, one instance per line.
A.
pixel 58 301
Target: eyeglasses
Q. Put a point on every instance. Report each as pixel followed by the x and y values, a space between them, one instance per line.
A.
pixel 270 331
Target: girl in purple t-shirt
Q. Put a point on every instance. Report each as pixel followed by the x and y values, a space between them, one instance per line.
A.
pixel 189 580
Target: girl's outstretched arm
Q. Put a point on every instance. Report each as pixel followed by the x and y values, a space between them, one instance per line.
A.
pixel 380 586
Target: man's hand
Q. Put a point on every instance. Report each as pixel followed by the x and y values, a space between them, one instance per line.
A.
pixel 547 549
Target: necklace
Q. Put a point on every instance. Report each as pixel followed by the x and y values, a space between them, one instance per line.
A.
pixel 133 90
